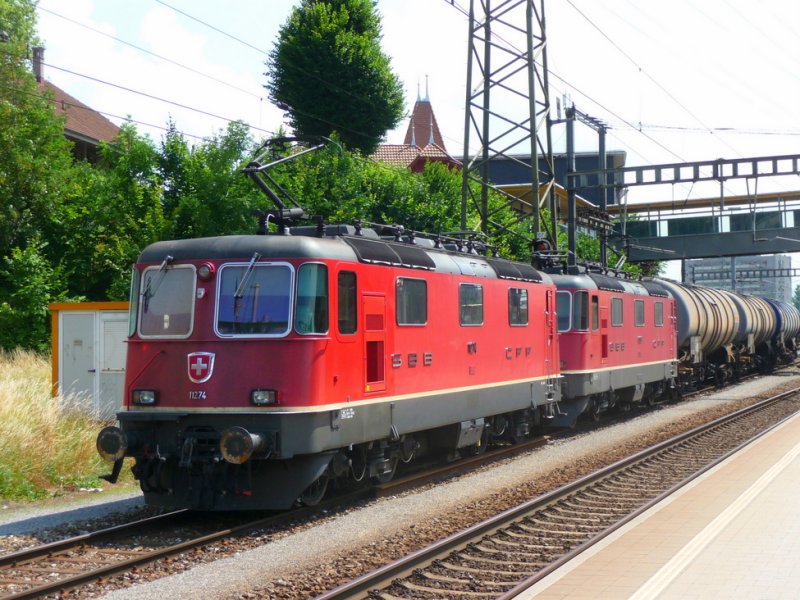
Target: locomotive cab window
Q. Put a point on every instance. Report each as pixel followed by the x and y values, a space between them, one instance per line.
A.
pixel 311 316
pixel 517 306
pixel 595 313
pixel 347 308
pixel 563 310
pixel 166 301
pixel 254 299
pixel 580 311
pixel 412 301
pixel 616 312
pixel 470 304
pixel 638 313
pixel 658 314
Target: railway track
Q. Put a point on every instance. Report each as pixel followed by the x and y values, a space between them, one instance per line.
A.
pixel 71 563
pixel 68 564
pixel 500 557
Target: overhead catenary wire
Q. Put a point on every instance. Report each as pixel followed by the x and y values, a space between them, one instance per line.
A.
pixel 153 54
pixel 338 126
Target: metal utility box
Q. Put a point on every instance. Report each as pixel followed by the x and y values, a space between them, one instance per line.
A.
pixel 88 355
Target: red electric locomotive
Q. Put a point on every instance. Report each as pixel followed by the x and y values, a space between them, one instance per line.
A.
pixel 261 367
pixel 617 342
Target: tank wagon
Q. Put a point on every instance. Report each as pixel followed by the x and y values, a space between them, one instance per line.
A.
pixel 723 334
pixel 783 345
pixel 259 368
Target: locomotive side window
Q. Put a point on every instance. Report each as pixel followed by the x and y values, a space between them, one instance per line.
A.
pixel 412 301
pixel 616 312
pixel 470 303
pixel 638 313
pixel 166 304
pixel 580 311
pixel 595 313
pixel 254 299
pixel 312 299
pixel 659 314
pixel 347 302
pixel 563 310
pixel 517 306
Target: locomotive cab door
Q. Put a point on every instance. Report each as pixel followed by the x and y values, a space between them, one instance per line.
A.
pixel 595 336
pixel 374 343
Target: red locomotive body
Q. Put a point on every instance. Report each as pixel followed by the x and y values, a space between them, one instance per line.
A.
pixel 261 367
pixel 617 340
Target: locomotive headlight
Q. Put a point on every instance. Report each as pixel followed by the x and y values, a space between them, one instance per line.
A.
pixel 143 397
pixel 264 397
pixel 205 271
pixel 112 443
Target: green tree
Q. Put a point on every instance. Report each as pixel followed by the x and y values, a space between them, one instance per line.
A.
pixel 204 191
pixel 34 153
pixel 328 70
pixel 106 215
pixel 24 314
pixel 35 165
pixel 796 297
pixel 341 187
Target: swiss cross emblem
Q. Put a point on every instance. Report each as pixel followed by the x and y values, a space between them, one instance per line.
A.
pixel 201 366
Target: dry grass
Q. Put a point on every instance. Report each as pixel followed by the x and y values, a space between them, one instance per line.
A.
pixel 44 450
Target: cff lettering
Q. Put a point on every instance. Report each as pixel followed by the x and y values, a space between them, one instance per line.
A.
pixel 616 347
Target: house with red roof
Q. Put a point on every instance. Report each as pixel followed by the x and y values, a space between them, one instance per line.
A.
pixel 84 126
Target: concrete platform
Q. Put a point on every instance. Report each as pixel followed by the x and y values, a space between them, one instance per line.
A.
pixel 732 533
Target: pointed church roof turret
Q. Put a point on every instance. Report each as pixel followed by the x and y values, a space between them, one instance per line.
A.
pixel 423 124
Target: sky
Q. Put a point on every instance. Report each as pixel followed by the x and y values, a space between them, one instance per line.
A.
pixel 675 81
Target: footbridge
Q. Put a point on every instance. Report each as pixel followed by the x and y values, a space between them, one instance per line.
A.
pixel 701 228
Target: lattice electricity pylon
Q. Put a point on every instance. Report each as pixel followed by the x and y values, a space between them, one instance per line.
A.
pixel 508 109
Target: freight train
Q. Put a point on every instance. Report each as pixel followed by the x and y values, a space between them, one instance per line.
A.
pixel 624 342
pixel 261 368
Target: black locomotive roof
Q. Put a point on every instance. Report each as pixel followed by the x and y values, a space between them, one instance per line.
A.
pixel 381 252
pixel 369 249
pixel 243 246
pixel 607 283
pixel 655 289
pixel 513 270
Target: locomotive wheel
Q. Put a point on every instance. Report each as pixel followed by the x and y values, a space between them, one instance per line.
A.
pixel 387 476
pixel 312 495
pixel 594 410
pixel 481 446
pixel 358 463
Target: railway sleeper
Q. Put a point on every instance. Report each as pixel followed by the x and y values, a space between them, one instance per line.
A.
pixel 480 572
pixel 465 556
